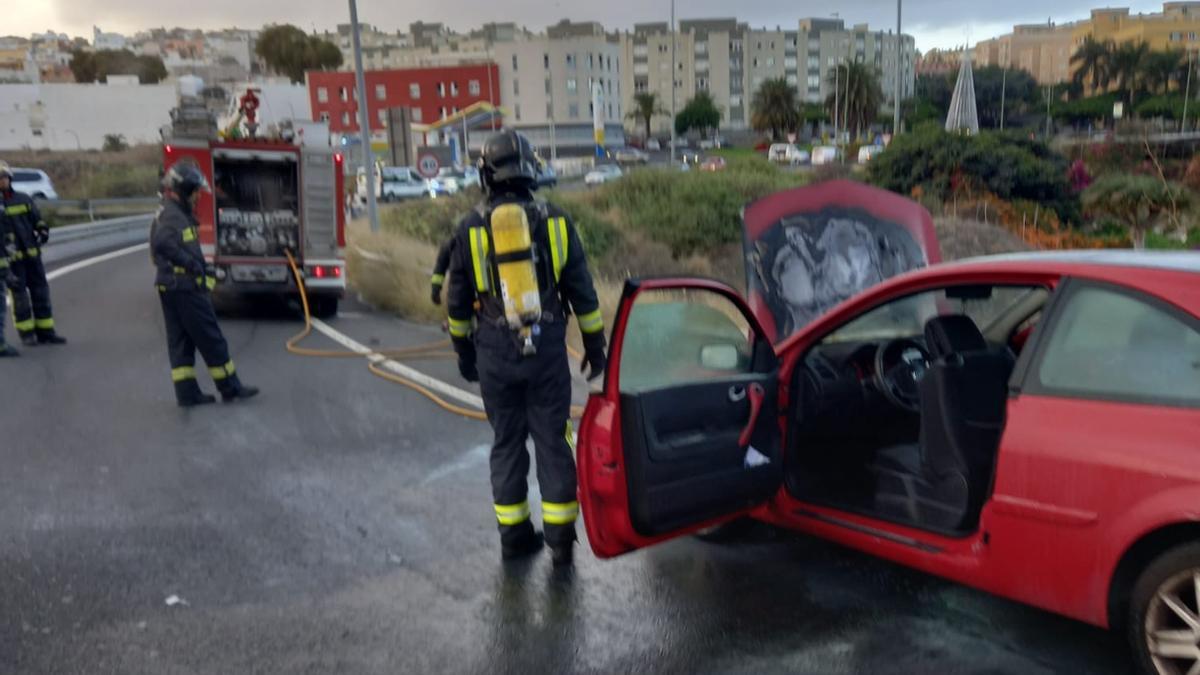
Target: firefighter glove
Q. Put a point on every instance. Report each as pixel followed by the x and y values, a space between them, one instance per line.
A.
pixel 465 349
pixel 594 360
pixel 43 234
pixel 436 294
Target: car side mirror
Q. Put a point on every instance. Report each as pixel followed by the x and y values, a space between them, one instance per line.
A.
pixel 720 357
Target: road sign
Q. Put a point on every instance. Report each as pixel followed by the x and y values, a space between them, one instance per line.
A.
pixel 428 165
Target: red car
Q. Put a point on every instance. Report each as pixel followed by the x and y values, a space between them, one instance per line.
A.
pixel 1025 424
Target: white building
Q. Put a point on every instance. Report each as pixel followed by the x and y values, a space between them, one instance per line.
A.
pixel 102 40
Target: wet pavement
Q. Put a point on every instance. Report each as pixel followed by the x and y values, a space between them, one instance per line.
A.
pixel 342 524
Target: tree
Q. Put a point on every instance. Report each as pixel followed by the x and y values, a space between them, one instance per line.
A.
pixel 645 107
pixel 700 113
pixel 859 98
pixel 115 143
pixel 774 108
pixel 1092 63
pixel 97 66
pixel 1162 68
pixel 290 51
pixel 1140 202
pixel 1127 67
pixel 1018 91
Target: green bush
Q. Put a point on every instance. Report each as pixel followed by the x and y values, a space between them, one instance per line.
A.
pixel 139 180
pixel 694 211
pixel 598 234
pixel 1008 165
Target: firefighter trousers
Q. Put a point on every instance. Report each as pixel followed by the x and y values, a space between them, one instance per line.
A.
pixel 191 324
pixel 31 297
pixel 530 397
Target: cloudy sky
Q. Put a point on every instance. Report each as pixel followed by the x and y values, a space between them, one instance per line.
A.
pixel 935 23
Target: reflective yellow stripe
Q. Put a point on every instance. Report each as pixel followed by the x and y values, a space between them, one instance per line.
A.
pixel 210 282
pixel 189 235
pixel 17 209
pixel 179 270
pixel 438 279
pixel 222 372
pixel 570 435
pixel 557 229
pixel 44 324
pixel 24 326
pixel 559 514
pixel 592 322
pixel 512 514
pixel 31 253
pixel 460 328
pixel 184 373
pixel 479 256
pixel 3 263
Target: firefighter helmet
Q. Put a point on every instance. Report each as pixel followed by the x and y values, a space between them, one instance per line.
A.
pixel 5 172
pixel 185 179
pixel 507 161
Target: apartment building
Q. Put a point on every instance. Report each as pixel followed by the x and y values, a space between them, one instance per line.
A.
pixel 1043 50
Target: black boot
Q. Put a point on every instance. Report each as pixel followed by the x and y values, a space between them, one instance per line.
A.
pixel 242 393
pixel 6 351
pixel 562 554
pixel 188 394
pixel 50 337
pixel 198 399
pixel 29 339
pixel 520 541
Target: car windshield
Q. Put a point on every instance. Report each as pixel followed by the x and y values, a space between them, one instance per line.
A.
pixel 906 316
pixel 26 177
pixel 450 173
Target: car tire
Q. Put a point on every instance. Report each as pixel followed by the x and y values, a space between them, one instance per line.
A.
pixel 323 308
pixel 1171 578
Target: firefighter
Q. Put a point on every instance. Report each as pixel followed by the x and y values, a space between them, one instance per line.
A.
pixel 184 283
pixel 438 278
pixel 27 233
pixel 511 291
pixel 7 280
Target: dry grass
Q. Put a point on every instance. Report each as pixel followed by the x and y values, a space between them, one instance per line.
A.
pixel 391 272
pixel 94 174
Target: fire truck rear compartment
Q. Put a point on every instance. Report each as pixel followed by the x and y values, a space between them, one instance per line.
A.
pixel 258 205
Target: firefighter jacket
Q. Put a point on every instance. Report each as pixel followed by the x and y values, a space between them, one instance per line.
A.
pixel 564 280
pixel 7 247
pixel 438 278
pixel 175 249
pixel 22 222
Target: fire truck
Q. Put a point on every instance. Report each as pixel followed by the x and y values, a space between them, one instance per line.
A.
pixel 272 194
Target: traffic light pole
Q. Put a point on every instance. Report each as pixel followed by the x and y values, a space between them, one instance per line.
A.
pixel 364 121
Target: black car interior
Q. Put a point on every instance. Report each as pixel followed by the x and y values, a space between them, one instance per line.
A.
pixel 906 427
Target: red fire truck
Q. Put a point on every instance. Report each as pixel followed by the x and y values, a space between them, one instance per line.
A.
pixel 270 195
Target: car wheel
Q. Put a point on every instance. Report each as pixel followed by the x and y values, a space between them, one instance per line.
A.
pixel 1163 623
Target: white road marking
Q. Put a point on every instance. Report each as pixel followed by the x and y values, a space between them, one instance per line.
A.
pixel 76 266
pixel 443 388
pixel 476 455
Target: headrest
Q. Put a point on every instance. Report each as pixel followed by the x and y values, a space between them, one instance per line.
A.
pixel 952 334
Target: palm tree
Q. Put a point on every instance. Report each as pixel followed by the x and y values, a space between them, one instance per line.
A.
pixel 1092 62
pixel 860 95
pixel 645 107
pixel 1163 68
pixel 1128 68
pixel 774 108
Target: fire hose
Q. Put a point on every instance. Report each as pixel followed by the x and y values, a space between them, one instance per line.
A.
pixel 430 350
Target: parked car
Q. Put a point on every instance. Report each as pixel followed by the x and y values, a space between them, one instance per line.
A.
pixel 713 164
pixel 653 145
pixel 630 156
pixel 546 175
pixel 603 173
pixel 33 182
pixel 787 153
pixel 451 180
pixel 710 143
pixel 825 154
pixel 868 152
pixel 1025 424
pixel 403 182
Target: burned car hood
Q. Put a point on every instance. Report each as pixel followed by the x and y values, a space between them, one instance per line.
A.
pixel 809 249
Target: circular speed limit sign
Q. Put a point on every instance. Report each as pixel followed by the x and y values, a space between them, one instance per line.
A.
pixel 427 165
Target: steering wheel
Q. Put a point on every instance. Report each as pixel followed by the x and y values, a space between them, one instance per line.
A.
pixel 899 367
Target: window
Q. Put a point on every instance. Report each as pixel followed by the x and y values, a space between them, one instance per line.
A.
pixel 573 111
pixel 517 111
pixel 591 61
pixel 325 117
pixel 416 114
pixel 444 112
pixel 1109 344
pixel 382 115
pixel 680 337
pixel 322 95
pixel 514 62
pixel 473 87
pixel 571 61
pixel 441 90
pixel 414 90
pixel 546 61
pixel 754 62
pixel 814 82
pixel 572 85
pixel 344 94
pixel 345 119
pixel 381 92
pixel 548 86
pixel 516 87
pixel 735 101
pixel 549 111
pixel 770 61
pixel 453 88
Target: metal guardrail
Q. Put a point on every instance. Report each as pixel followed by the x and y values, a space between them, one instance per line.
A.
pixel 68 233
pixel 91 206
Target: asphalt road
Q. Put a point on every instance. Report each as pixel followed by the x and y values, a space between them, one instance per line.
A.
pixel 342 524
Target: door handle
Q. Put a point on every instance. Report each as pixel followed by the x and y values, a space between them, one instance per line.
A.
pixel 737 393
pixel 757 395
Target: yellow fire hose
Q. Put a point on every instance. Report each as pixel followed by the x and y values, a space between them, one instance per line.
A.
pixel 429 350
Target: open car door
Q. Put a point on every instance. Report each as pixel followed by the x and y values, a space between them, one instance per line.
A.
pixel 686 431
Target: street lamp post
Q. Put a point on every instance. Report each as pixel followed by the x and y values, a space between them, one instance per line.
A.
pixel 364 120
pixel 899 60
pixel 673 74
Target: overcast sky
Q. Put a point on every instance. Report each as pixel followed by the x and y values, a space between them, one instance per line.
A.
pixel 935 23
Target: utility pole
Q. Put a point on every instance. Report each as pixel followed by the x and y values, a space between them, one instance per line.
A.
pixel 673 74
pixel 1186 95
pixel 364 121
pixel 553 137
pixel 899 69
pixel 837 92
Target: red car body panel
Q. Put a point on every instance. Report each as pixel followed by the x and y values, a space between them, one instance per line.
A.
pixel 1078 481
